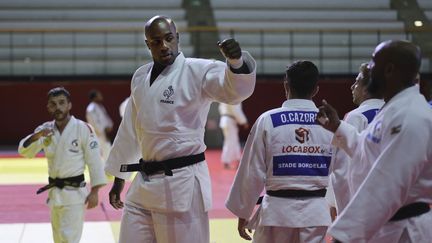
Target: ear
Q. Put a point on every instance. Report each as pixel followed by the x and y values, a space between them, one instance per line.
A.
pixel 178 37
pixel 389 69
pixel 315 91
pixel 147 44
pixel 70 105
pixel 287 89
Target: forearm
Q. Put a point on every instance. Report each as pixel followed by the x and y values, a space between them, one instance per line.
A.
pixel 33 138
pixel 29 147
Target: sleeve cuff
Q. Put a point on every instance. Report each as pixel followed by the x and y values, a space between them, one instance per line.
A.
pixel 235 63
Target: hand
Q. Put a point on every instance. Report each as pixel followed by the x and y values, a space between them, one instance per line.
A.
pixel 230 48
pixel 328 117
pixel 93 198
pixel 241 227
pixel 108 130
pixel 46 132
pixel 244 126
pixel 114 194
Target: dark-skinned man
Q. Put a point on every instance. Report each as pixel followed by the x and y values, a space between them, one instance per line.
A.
pixel 392 203
pixel 164 125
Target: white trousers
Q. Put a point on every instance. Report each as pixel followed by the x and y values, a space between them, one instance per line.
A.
pixel 231 150
pixel 67 223
pixel 139 225
pixel 273 234
pixel 105 148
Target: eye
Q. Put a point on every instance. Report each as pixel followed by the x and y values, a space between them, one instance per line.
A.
pixel 155 42
pixel 170 38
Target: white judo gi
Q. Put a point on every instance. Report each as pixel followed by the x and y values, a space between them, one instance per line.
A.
pixel 231 117
pixel 68 153
pixel 346 175
pixel 122 107
pixel 167 120
pixel 286 149
pixel 398 145
pixel 98 117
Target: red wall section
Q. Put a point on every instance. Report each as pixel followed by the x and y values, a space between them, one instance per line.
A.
pixel 23 104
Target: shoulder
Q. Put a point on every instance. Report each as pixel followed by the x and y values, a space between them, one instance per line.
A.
pixel 44 125
pixel 354 115
pixel 84 127
pixel 141 73
pixel 199 63
pixel 91 107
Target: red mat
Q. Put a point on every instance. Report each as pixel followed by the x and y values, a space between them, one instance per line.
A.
pixel 20 204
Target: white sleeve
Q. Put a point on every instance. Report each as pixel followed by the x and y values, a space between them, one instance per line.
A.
pixel 386 187
pixel 32 149
pixel 92 157
pixel 358 121
pixel 250 178
pixel 126 147
pixel 222 85
pixel 347 138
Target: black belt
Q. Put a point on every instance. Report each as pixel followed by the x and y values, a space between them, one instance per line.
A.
pixel 411 210
pixel 294 194
pixel 166 166
pixel 74 181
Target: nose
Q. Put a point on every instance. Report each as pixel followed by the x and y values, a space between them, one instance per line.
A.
pixel 164 45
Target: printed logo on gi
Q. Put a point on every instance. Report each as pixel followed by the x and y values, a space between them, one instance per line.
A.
pixel 93 144
pixel 302 134
pixel 376 134
pixel 168 94
pixel 74 148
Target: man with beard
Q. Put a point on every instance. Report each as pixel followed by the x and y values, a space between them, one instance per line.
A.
pixel 346 174
pixel 69 145
pixel 164 121
pixel 392 203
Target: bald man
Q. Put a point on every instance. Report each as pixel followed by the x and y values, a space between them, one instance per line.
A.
pixel 392 203
pixel 164 125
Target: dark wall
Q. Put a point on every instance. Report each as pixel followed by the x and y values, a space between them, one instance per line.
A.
pixel 269 93
pixel 23 103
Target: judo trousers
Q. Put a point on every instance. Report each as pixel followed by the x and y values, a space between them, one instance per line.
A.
pixel 145 226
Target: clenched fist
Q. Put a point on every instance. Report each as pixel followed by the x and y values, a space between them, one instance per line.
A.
pixel 230 48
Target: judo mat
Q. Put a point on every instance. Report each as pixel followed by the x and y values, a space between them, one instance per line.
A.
pixel 24 216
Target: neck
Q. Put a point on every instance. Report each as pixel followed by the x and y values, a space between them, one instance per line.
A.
pixel 391 93
pixel 62 123
pixel 156 70
pixel 292 96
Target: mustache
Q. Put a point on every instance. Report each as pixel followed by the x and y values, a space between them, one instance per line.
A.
pixel 58 112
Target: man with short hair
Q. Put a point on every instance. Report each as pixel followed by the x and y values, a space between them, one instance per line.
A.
pixel 288 154
pixel 392 203
pixel 346 174
pixel 98 117
pixel 69 145
pixel 164 122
